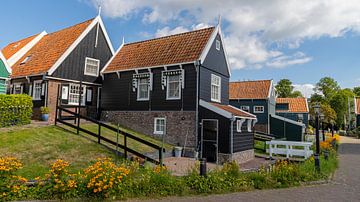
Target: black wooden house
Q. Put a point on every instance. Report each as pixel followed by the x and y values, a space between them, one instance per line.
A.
pixel 176 87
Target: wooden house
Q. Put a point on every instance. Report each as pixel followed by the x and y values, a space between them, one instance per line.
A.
pixel 296 109
pixel 176 88
pixel 66 57
pixel 5 71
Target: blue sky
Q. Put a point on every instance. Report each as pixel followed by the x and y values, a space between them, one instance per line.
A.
pixel 263 41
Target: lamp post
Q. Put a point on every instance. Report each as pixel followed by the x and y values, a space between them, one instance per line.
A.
pixel 317 152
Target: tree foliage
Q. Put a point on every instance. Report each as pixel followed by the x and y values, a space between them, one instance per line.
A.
pixel 285 89
pixel 356 91
pixel 327 86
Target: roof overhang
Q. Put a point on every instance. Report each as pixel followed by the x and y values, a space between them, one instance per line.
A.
pixel 287 120
pixel 3 59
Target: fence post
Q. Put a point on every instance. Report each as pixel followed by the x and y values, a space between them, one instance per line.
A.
pixel 99 133
pixel 161 156
pixel 57 104
pixel 125 144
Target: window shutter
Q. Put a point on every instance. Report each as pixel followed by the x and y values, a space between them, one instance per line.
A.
pixel 30 90
pixel 43 89
pixel 89 96
pixel 22 88
pixel 65 93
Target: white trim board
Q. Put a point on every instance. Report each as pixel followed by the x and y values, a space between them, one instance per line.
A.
pixel 77 42
pixel 112 58
pixel 3 59
pixel 287 120
pixel 20 53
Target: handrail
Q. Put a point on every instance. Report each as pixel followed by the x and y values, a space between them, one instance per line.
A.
pixel 102 124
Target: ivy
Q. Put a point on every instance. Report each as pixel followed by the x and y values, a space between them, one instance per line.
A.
pixel 15 110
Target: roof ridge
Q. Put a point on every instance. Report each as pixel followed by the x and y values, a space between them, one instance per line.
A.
pixel 173 35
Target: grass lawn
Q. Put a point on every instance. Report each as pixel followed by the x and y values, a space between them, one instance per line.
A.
pixel 38 147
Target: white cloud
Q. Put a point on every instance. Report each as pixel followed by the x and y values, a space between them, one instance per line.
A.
pixel 286 60
pixel 306 89
pixel 168 31
pixel 255 30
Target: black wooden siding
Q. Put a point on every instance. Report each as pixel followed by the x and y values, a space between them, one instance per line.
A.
pixel 224 129
pixel 26 89
pixel 242 141
pixel 117 93
pixel 73 66
pixel 215 59
pixel 205 86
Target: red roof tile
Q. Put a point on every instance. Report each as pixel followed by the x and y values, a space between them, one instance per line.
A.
pixel 48 50
pixel 235 111
pixel 179 48
pixel 296 105
pixel 14 47
pixel 249 89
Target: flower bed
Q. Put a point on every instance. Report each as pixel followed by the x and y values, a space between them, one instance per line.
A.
pixel 106 179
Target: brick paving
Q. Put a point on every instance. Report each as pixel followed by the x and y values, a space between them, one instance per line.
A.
pixel 344 187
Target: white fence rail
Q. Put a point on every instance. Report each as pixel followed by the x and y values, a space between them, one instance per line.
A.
pixel 289 148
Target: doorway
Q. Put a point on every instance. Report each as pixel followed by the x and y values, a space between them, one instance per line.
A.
pixel 209 134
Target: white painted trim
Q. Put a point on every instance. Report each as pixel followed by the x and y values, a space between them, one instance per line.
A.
pixel 144 68
pixel 3 59
pixel 20 53
pixel 211 40
pixel 168 88
pixel 287 120
pixel 215 109
pixel 70 80
pixel 98 67
pixel 211 83
pixel 159 132
pixel 259 112
pixel 112 58
pixel 33 90
pixel 77 42
pixel 138 91
pixel 307 105
pixel 248 113
pixel 271 88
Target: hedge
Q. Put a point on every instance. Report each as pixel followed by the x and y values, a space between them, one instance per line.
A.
pixel 15 110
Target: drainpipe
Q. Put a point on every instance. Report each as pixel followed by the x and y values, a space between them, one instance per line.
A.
pixel 232 135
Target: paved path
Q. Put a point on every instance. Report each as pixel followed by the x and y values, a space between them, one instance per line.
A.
pixel 345 187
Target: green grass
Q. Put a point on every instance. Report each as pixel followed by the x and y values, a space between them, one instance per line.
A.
pixel 38 147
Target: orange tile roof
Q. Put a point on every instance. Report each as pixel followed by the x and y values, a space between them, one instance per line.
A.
pixel 296 105
pixel 357 105
pixel 249 89
pixel 179 48
pixel 14 47
pixel 48 50
pixel 233 110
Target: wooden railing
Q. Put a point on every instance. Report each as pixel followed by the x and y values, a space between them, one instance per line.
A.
pixel 289 148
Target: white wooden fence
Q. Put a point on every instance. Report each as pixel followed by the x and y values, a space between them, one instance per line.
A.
pixel 289 148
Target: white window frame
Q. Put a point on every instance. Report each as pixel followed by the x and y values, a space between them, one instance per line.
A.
pixel 138 89
pixel 35 88
pixel 218 44
pixel 168 87
pixel 214 99
pixel 259 111
pixel 159 132
pixel 82 95
pixel 86 65
pixel 21 89
pixel 245 108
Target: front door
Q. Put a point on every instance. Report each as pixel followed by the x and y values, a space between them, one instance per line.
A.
pixel 209 131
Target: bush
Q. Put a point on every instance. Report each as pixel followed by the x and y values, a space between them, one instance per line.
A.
pixel 15 110
pixel 44 110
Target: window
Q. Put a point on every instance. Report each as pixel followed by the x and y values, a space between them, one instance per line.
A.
pixel 92 67
pixel 159 126
pixel 173 87
pixel 217 44
pixel 74 94
pixel 215 88
pixel 143 91
pixel 18 89
pixel 258 109
pixel 64 92
pixel 37 90
pixel 245 108
pixel 25 60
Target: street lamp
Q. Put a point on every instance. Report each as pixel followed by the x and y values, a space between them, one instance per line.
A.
pixel 322 118
pixel 317 152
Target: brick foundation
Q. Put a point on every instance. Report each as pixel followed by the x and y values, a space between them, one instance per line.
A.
pixel 239 157
pixel 178 124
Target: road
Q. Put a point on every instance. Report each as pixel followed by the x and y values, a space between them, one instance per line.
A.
pixel 344 187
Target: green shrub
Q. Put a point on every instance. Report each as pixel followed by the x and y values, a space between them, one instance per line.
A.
pixel 15 110
pixel 44 110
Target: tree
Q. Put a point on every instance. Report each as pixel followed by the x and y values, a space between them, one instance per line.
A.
pixel 356 90
pixel 327 86
pixel 296 94
pixel 340 103
pixel 284 88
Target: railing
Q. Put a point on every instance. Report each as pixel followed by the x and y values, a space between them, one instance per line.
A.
pixel 290 148
pixel 78 116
